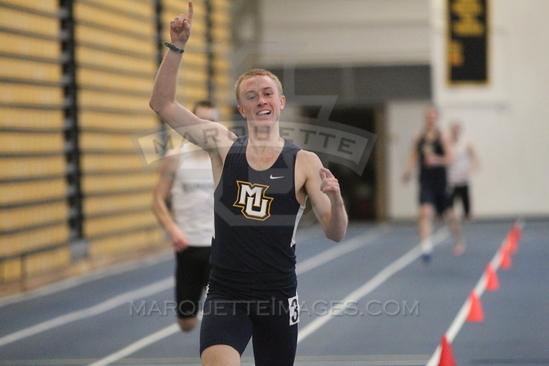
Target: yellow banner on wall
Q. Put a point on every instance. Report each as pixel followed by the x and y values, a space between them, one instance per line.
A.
pixel 467 44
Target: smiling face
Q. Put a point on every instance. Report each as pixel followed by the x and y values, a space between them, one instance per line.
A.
pixel 260 100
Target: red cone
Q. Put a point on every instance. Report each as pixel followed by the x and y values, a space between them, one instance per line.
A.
pixel 446 353
pixel 514 238
pixel 476 314
pixel 518 228
pixel 492 281
pixel 506 261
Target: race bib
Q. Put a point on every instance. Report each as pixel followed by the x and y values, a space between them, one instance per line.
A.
pixel 293 305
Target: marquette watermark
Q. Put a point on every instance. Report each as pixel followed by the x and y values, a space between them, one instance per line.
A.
pixel 371 308
pixel 333 142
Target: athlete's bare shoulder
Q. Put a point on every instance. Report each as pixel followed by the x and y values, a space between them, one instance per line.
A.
pixel 307 165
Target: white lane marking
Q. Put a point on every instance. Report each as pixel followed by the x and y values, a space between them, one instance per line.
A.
pixel 141 343
pixel 305 266
pixel 89 277
pixel 461 316
pixel 102 307
pixel 368 287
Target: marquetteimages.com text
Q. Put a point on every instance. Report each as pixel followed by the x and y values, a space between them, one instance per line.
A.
pixel 391 308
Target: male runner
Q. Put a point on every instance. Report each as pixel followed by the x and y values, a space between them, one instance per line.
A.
pixel 186 182
pixel 432 152
pixel 262 183
pixel 460 171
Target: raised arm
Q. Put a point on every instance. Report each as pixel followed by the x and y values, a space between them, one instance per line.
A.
pixel 323 189
pixel 206 134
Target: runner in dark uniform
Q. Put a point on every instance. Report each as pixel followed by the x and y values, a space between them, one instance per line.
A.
pixel 432 179
pixel 262 184
pixel 431 152
pixel 252 287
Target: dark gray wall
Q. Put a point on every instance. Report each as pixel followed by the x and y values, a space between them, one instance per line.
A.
pixel 359 85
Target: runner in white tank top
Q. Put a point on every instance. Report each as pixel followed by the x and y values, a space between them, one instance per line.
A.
pixel 192 196
pixel 186 182
pixel 460 169
pixel 464 164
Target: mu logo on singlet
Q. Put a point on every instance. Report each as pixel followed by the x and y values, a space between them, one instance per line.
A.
pixel 252 201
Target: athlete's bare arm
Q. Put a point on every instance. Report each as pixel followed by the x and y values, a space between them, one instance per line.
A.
pixel 211 136
pixel 161 193
pixel 320 185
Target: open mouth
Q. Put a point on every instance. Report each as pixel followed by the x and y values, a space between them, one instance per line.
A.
pixel 264 113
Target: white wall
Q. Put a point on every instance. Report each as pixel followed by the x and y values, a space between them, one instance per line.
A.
pixel 404 120
pixel 312 32
pixel 509 120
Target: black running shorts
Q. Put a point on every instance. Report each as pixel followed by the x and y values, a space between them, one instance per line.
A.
pixel 191 277
pixel 272 324
pixel 437 196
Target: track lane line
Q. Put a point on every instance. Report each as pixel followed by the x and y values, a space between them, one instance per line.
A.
pixel 368 287
pixel 97 309
pixel 148 290
pixel 309 264
pixel 80 280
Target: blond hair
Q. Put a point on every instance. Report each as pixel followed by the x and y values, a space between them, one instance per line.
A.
pixel 256 72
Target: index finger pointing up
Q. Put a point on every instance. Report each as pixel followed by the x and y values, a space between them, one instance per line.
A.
pixel 190 15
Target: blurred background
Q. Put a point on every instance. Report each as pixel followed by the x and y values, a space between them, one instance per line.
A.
pixel 75 78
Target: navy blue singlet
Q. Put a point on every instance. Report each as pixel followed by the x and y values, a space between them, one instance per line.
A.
pixel 431 176
pixel 256 216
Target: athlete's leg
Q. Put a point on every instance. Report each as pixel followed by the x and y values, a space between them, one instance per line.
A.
pixel 425 226
pixel 457 194
pixel 188 287
pixel 454 195
pixel 466 202
pixel 187 324
pixel 195 279
pixel 220 355
pixel 225 331
pixel 455 228
pixel 274 333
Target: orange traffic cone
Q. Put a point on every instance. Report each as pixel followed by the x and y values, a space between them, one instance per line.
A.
pixel 446 353
pixel 514 238
pixel 492 281
pixel 506 261
pixel 476 314
pixel 518 228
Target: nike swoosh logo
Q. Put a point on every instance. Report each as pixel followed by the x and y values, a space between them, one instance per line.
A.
pixel 273 177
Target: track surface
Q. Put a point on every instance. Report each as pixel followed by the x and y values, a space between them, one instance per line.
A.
pixel 397 318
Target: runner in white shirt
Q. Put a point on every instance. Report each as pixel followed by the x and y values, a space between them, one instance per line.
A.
pixel 183 204
pixel 464 164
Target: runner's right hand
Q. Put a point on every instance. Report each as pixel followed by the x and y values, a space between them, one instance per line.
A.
pixel 179 240
pixel 180 27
